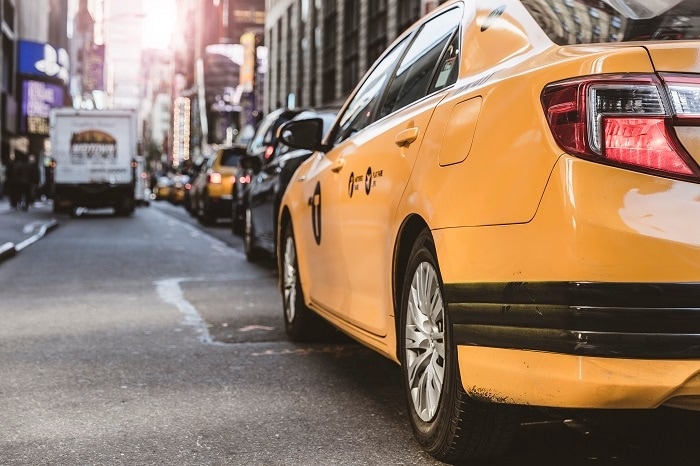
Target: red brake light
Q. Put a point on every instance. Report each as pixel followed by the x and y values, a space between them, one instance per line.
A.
pixel 244 179
pixel 622 121
pixel 269 151
pixel 643 142
pixel 215 178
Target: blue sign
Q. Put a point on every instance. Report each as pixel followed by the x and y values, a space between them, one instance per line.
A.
pixel 38 59
pixel 38 98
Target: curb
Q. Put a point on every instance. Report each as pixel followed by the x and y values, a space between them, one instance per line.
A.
pixel 9 250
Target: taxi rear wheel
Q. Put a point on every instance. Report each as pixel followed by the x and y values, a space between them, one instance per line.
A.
pixel 300 322
pixel 206 216
pixel 446 422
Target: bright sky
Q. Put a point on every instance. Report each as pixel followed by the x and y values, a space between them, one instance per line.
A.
pixel 158 23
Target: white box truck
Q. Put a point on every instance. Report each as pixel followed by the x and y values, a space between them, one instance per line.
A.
pixel 94 152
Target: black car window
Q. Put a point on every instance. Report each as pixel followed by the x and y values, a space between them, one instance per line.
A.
pixel 417 68
pixel 257 143
pixel 569 22
pixel 229 158
pixel 360 111
pixel 448 69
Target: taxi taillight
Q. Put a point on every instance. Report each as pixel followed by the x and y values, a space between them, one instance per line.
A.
pixel 625 121
pixel 215 178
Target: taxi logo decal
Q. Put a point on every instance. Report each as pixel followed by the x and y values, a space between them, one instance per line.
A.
pixel 368 180
pixel 315 203
pixel 351 184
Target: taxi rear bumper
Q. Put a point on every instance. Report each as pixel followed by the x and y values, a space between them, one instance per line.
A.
pixel 578 344
pixel 628 320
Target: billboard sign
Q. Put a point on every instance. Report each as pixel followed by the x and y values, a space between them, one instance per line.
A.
pixel 39 59
pixel 38 98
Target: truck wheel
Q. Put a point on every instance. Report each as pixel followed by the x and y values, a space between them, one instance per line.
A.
pixel 125 208
pixel 447 423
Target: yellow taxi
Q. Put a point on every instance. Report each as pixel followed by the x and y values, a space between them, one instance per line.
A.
pixel 211 192
pixel 508 206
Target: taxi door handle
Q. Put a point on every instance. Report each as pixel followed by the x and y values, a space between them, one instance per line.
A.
pixel 338 165
pixel 406 137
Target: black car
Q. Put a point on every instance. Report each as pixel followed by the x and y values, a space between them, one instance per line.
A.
pixel 267 184
pixel 260 149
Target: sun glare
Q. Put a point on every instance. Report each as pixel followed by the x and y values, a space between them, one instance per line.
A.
pixel 158 23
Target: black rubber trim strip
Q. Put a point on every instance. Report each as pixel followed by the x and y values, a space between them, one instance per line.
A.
pixel 633 320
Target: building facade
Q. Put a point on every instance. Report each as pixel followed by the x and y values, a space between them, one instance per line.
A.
pixel 213 72
pixel 319 49
pixel 8 100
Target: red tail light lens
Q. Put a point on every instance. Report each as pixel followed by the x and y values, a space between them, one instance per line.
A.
pixel 244 179
pixel 643 142
pixel 623 121
pixel 215 178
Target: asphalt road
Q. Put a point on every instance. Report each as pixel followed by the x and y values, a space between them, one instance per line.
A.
pixel 150 340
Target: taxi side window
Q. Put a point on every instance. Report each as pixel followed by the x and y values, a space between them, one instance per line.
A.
pixel 361 111
pixel 449 67
pixel 434 45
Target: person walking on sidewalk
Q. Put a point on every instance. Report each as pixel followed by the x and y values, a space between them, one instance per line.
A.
pixel 21 183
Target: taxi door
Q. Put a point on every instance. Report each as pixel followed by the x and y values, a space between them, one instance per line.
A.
pixel 377 163
pixel 325 185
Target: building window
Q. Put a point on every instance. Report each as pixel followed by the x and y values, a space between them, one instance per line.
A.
pixel 8 64
pixel 278 69
pixel 351 26
pixel 409 13
pixel 290 56
pixel 330 46
pixel 376 34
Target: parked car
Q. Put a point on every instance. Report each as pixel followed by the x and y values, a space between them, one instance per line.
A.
pixel 211 190
pixel 267 184
pixel 180 183
pixel 260 148
pixel 161 190
pixel 508 205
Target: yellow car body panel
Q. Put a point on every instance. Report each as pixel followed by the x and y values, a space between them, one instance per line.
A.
pixel 224 189
pixel 555 380
pixel 505 205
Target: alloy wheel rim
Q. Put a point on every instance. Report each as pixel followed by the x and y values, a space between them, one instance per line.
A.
pixel 290 279
pixel 425 341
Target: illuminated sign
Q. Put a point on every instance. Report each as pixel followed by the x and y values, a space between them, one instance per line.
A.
pixel 38 98
pixel 44 60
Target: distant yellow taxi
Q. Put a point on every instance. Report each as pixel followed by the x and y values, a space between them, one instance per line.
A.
pixel 508 206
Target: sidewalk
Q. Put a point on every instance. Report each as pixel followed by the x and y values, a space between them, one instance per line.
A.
pixel 19 229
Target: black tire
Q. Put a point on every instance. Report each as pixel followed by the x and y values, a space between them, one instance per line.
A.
pixel 206 216
pixel 237 214
pixel 59 208
pixel 252 252
pixel 456 427
pixel 300 322
pixel 125 208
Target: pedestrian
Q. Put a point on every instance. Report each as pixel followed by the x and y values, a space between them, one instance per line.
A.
pixel 21 183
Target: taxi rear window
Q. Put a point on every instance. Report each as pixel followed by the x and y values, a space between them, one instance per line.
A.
pixel 569 22
pixel 230 158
